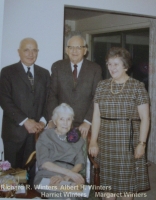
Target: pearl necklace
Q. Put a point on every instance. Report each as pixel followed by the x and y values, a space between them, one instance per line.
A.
pixel 121 88
pixel 60 138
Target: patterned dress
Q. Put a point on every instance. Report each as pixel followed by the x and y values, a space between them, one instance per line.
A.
pixel 118 167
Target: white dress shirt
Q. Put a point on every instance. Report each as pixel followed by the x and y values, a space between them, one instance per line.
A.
pixel 78 67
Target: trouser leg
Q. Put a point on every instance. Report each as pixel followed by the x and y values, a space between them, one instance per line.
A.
pixel 11 150
pixel 18 153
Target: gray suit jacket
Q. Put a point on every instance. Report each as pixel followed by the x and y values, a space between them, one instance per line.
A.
pixel 19 101
pixel 80 98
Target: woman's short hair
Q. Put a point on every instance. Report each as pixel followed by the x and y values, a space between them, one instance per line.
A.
pixel 62 108
pixel 121 53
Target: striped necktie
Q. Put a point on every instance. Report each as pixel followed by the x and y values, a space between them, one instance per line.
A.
pixel 30 77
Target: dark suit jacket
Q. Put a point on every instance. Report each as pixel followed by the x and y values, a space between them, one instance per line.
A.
pixel 80 98
pixel 18 101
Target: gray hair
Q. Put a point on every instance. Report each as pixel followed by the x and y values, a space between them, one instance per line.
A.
pixel 62 108
pixel 76 34
pixel 27 40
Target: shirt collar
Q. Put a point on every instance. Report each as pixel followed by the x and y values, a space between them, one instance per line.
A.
pixel 26 68
pixel 78 64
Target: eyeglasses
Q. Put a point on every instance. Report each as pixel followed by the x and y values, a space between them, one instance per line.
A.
pixel 78 48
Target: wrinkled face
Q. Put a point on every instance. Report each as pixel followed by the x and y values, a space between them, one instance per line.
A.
pixel 63 123
pixel 116 68
pixel 76 49
pixel 28 52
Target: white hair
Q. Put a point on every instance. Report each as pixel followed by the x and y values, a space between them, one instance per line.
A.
pixel 62 108
pixel 77 35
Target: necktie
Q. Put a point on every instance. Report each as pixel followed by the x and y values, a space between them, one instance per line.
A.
pixel 75 73
pixel 30 77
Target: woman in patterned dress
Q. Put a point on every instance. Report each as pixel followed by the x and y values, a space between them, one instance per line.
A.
pixel 119 129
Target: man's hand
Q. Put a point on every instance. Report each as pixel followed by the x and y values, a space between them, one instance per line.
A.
pixel 42 125
pixel 32 126
pixel 84 128
pixel 50 124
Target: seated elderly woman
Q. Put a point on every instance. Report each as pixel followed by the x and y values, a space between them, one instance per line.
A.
pixel 57 158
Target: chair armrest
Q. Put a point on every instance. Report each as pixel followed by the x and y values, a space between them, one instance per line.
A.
pixel 31 160
pixel 95 165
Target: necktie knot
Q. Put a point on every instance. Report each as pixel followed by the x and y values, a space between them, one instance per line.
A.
pixel 75 66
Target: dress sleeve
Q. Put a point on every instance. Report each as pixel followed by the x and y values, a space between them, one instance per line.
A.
pixel 142 95
pixel 97 93
pixel 79 159
pixel 42 150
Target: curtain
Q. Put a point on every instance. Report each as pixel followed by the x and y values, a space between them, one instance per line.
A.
pixel 152 92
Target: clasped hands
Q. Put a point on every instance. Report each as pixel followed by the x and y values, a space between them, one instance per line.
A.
pixel 73 176
pixel 34 127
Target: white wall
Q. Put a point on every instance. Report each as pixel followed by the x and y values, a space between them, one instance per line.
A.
pixel 1 28
pixel 44 19
pixel 37 19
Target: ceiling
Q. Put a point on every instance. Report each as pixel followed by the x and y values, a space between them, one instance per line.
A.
pixel 77 14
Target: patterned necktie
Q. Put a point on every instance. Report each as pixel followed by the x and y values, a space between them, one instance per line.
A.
pixel 30 77
pixel 75 73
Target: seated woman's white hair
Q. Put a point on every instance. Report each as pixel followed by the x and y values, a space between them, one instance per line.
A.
pixel 62 108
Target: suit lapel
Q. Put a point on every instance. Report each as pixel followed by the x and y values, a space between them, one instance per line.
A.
pixel 82 74
pixel 37 76
pixel 68 74
pixel 22 74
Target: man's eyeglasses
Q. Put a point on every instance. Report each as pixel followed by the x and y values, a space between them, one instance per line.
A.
pixel 76 47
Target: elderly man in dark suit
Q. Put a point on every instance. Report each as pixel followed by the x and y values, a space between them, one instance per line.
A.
pixel 73 81
pixel 23 91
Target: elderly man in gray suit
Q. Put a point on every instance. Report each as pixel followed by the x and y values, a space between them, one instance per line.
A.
pixel 73 81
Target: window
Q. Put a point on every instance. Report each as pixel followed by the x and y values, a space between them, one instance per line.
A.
pixel 135 41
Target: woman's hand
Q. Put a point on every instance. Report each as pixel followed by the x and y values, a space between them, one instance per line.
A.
pixel 54 180
pixel 76 177
pixel 93 149
pixel 139 151
pixel 66 178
